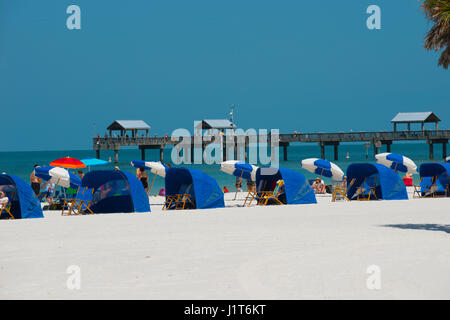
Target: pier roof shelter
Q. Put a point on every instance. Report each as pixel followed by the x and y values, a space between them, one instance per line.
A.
pixel 129 125
pixel 220 124
pixel 214 124
pixel 415 117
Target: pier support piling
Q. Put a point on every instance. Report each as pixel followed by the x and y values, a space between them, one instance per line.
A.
pixel 335 145
pixel 97 153
pixel 388 144
pixel 431 151
pixel 376 147
pixel 116 156
pixel 444 150
pixel 161 154
pixel 143 154
pixel 285 145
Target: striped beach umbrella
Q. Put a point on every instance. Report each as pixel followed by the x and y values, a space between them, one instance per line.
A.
pixel 240 169
pixel 396 162
pixel 68 162
pixel 58 176
pixel 323 168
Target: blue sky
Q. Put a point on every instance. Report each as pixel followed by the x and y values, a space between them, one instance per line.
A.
pixel 310 66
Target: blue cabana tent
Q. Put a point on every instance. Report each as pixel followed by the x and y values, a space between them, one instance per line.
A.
pixel 113 191
pixel 24 203
pixel 387 183
pixel 439 173
pixel 205 191
pixel 297 189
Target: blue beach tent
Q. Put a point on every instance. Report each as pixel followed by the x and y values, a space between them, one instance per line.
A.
pixel 205 191
pixel 297 189
pixel 24 203
pixel 112 191
pixel 439 173
pixel 387 183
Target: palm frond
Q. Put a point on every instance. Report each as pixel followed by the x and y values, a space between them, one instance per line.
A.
pixel 438 37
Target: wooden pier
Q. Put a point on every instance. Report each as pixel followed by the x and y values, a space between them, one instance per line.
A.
pixel 375 139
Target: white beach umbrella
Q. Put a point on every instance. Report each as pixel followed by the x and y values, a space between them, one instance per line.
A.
pixel 240 169
pixel 58 176
pixel 396 162
pixel 447 159
pixel 324 168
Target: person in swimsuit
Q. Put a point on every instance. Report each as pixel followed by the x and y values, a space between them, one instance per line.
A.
pixel 143 177
pixel 35 182
pixel 3 199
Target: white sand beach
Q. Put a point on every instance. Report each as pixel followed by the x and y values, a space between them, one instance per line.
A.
pixel 317 251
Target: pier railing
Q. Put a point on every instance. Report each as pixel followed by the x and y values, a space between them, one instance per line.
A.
pixel 376 138
pixel 361 136
pixel 366 136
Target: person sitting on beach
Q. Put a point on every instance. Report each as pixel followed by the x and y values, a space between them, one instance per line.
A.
pixel 81 174
pixel 3 199
pixel 225 190
pixel 105 190
pixel 49 192
pixel 318 186
pixel 407 180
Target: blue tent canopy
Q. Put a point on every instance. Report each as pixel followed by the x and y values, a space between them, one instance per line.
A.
pixel 296 186
pixel 205 190
pixel 113 191
pixel 438 173
pixel 387 183
pixel 24 203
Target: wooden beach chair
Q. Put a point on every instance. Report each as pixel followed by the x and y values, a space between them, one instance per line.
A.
pixel 184 199
pixel 250 196
pixel 429 192
pixel 179 200
pixel 173 198
pixel 341 191
pixel 77 206
pixel 436 194
pixel 417 192
pixel 364 194
pixel 6 207
pixel 263 197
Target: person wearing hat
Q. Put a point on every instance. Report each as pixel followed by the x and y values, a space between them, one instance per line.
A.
pixel 407 179
pixel 318 186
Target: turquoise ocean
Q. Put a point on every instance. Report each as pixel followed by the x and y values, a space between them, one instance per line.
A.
pixel 21 163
